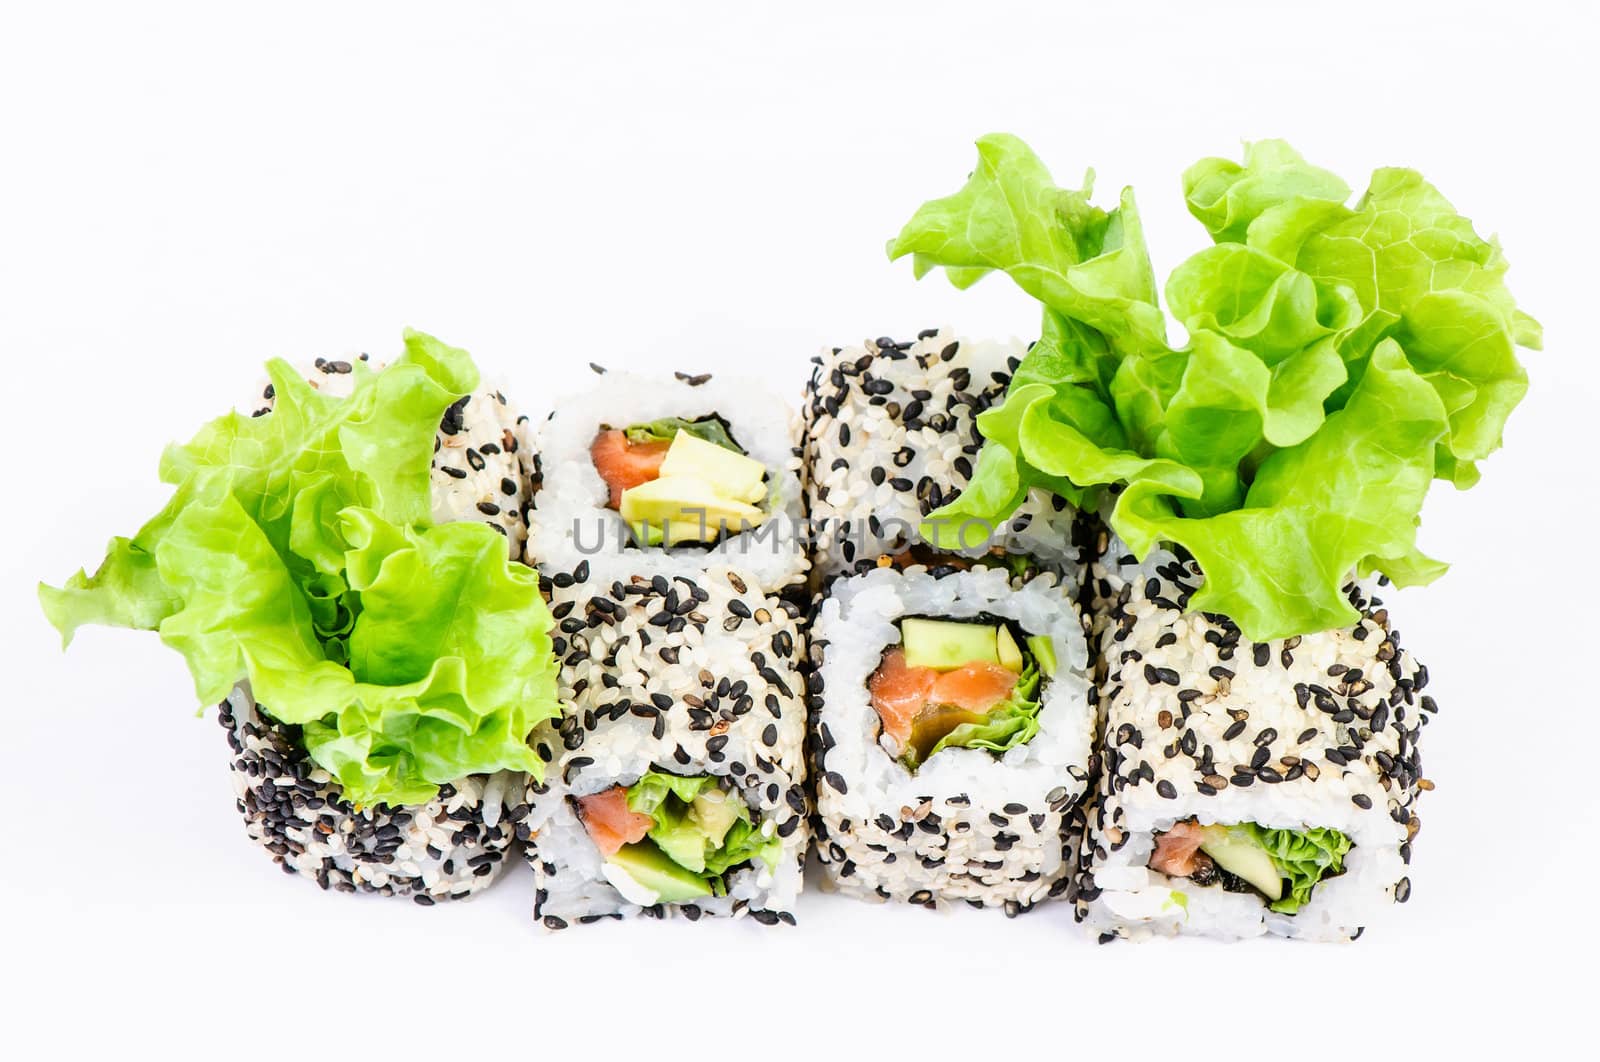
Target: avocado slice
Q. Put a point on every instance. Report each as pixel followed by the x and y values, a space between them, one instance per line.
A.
pixel 1044 652
pixel 715 813
pixel 932 725
pixel 1006 648
pixel 644 875
pixel 945 646
pixel 1237 852
pixel 730 474
pixel 687 509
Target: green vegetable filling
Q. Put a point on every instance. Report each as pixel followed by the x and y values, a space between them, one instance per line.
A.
pixel 700 827
pixel 297 552
pixel 711 429
pixel 1339 359
pixel 1282 865
pixel 947 645
pixel 1303 858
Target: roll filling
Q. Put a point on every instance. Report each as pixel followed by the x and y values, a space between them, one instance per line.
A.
pixel 957 684
pixel 1280 866
pixel 677 481
pixel 668 838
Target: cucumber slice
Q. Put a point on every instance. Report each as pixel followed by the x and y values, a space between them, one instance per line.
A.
pixel 1237 852
pixel 1044 651
pixel 944 645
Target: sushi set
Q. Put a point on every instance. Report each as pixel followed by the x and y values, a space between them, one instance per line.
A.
pixel 1091 625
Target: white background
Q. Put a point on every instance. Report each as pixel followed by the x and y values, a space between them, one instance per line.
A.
pixel 188 190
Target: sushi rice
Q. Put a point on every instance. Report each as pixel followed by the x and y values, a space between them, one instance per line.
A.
pixel 967 825
pixel 447 849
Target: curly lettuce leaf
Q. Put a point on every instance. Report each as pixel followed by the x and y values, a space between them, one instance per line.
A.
pixel 654 787
pixel 451 659
pixel 710 429
pixel 296 553
pixel 1089 268
pixel 1235 445
pixel 700 827
pixel 1423 276
pixel 1088 265
pixel 1227 197
pixel 1303 857
pixel 1346 497
pixel 125 591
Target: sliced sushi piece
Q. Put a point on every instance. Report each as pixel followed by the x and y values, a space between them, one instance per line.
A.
pixel 890 435
pixel 672 475
pixel 323 554
pixel 447 848
pixel 1246 788
pixel 675 780
pixel 951 725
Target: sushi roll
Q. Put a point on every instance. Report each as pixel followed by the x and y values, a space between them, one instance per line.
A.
pixel 890 434
pixel 341 565
pixel 674 475
pixel 447 848
pixel 451 846
pixel 1247 788
pixel 951 726
pixel 675 780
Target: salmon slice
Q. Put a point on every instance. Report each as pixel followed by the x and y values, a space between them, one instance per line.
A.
pixel 907 697
pixel 899 693
pixel 623 464
pixel 975 687
pixel 609 822
pixel 1175 854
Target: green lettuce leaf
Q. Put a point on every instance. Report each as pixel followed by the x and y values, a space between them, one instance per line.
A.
pixel 1227 197
pixel 1247 445
pixel 1422 275
pixel 708 841
pixel 126 591
pixel 1346 497
pixel 1303 857
pixel 296 553
pixel 1090 269
pixel 710 429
